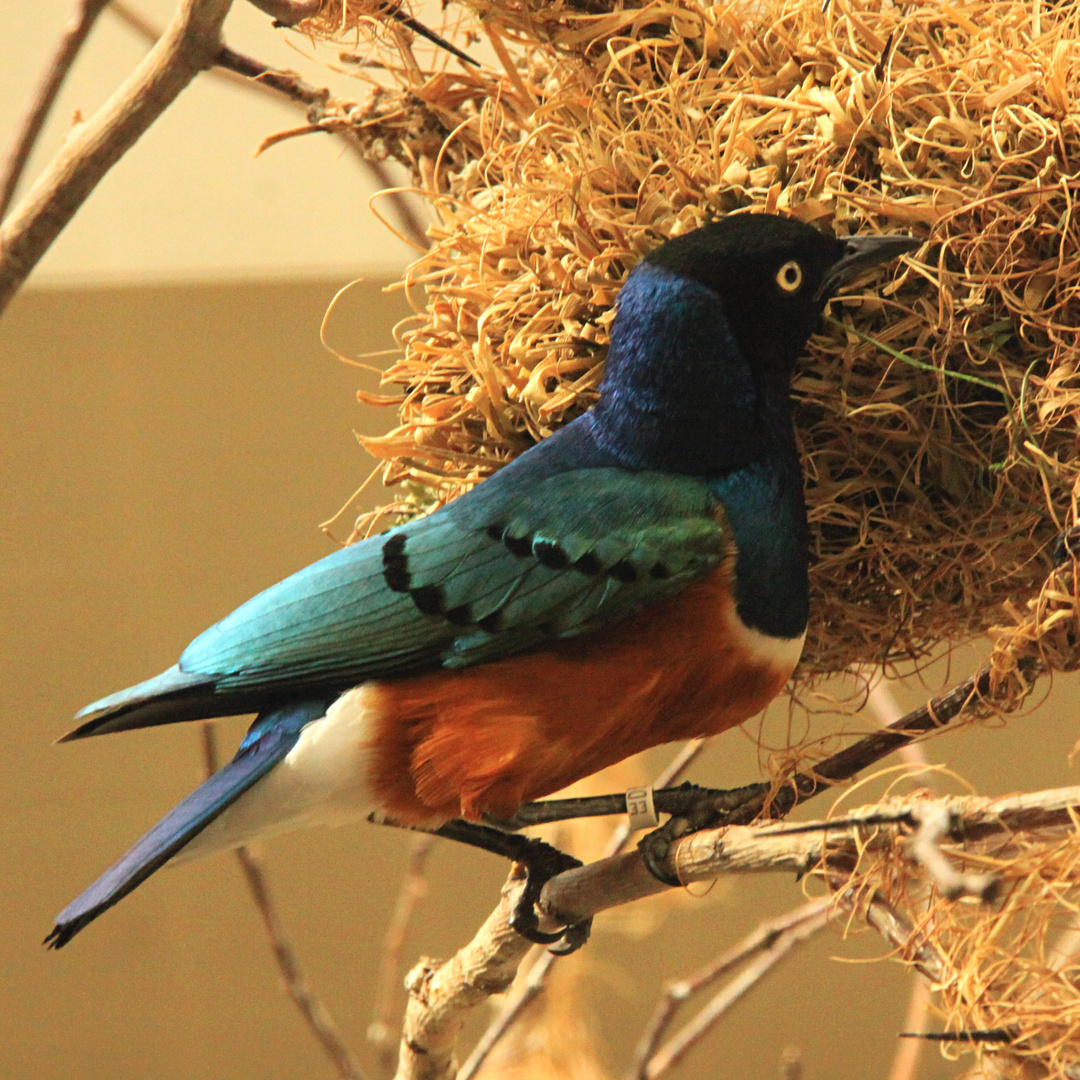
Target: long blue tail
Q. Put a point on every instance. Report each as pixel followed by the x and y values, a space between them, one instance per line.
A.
pixel 268 741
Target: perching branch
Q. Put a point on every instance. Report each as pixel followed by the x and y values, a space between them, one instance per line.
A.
pixel 585 891
pixel 769 846
pixel 522 996
pixel 442 994
pixel 311 1008
pixel 74 35
pixel 190 44
pixel 487 964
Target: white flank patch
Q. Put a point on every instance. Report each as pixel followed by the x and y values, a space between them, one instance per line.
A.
pixel 322 781
pixel 781 654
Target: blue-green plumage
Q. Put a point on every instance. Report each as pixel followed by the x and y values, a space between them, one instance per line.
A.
pixel 687 460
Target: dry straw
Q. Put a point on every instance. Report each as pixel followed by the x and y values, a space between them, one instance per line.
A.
pixel 938 411
pixel 1007 973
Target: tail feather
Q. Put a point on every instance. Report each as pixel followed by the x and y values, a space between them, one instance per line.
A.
pixel 270 739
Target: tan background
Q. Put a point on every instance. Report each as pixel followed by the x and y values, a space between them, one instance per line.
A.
pixel 165 452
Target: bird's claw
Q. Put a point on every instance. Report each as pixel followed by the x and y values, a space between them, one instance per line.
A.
pixel 542 862
pixel 706 808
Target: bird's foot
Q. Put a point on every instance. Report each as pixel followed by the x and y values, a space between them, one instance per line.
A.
pixel 541 863
pixel 694 808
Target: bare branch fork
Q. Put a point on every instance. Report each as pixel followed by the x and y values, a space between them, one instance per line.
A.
pixel 71 41
pixel 251 73
pixel 190 44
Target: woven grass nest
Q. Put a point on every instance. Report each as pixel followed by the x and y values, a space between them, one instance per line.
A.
pixel 937 413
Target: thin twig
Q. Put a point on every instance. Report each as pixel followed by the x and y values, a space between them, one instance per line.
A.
pixel 908 1051
pixel 242 70
pixel 523 994
pixel 291 12
pixel 520 998
pixel 414 887
pixel 311 1008
pixel 772 951
pixel 883 706
pixel 189 45
pixel 898 931
pixel 841 766
pixel 791 1063
pixel 763 939
pixel 71 41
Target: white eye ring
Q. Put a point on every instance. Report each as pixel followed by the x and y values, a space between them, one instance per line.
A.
pixel 789 276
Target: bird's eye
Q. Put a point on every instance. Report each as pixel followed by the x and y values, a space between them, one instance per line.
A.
pixel 789 276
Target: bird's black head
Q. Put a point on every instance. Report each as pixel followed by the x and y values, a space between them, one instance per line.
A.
pixel 772 276
pixel 707 331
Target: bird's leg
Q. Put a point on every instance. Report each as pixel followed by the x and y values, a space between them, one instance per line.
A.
pixel 678 801
pixel 542 862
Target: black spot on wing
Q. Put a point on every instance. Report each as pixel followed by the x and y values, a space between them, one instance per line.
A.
pixel 428 599
pixel 458 616
pixel 518 545
pixel 659 571
pixel 589 564
pixel 396 563
pixel 624 571
pixel 550 554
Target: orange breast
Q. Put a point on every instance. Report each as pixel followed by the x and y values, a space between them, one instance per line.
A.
pixel 486 739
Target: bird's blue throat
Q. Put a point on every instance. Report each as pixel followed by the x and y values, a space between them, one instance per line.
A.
pixel 679 395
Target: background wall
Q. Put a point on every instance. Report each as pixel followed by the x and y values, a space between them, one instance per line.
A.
pixel 165 452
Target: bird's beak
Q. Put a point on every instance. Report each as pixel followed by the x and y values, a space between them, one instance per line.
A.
pixel 860 253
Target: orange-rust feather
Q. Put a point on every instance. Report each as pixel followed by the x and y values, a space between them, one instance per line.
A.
pixel 485 739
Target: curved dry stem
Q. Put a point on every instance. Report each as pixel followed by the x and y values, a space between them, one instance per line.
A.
pixel 442 994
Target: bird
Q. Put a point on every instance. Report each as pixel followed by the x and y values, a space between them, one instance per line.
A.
pixel 638 577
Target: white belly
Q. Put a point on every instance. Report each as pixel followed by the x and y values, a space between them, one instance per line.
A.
pixel 322 781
